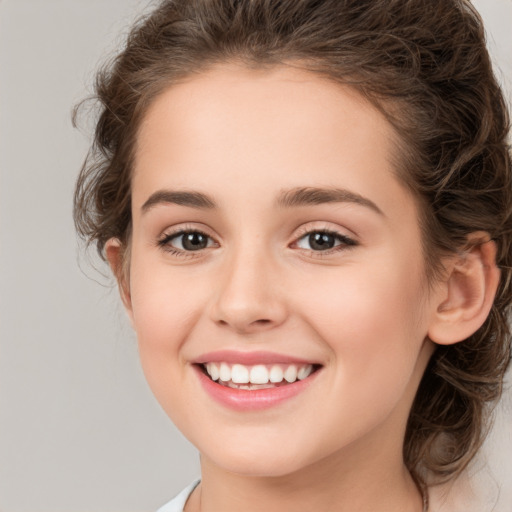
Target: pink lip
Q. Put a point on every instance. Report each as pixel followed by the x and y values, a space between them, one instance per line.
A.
pixel 248 358
pixel 251 400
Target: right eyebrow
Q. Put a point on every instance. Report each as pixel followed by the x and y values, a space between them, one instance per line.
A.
pixel 182 198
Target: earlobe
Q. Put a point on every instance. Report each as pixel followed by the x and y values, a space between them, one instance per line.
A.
pixel 467 294
pixel 116 257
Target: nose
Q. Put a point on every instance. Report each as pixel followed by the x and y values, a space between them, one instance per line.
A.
pixel 250 297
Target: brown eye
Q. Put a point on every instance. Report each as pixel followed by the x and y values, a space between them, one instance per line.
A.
pixel 194 241
pixel 187 241
pixel 323 241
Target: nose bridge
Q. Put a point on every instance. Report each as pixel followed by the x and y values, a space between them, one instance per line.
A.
pixel 248 297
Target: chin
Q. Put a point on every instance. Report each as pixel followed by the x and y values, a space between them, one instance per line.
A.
pixel 269 463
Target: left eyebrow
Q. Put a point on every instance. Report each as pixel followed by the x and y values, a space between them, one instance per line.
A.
pixel 308 196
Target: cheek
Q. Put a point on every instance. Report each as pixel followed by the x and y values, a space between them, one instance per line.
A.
pixel 164 313
pixel 164 303
pixel 373 319
pixel 165 308
pixel 358 300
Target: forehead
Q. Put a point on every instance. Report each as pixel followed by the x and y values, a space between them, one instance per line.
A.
pixel 252 131
pixel 260 103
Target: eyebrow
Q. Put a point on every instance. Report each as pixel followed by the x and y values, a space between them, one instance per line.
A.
pixel 296 197
pixel 307 196
pixel 179 197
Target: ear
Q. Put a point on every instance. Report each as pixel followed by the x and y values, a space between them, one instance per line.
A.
pixel 467 295
pixel 116 256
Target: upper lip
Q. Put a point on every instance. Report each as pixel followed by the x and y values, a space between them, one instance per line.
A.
pixel 249 358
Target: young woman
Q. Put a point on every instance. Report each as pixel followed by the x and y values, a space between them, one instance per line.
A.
pixel 308 208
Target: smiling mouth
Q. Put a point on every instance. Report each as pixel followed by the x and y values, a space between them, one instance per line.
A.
pixel 258 376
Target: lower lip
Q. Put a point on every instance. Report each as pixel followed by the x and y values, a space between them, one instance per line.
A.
pixel 252 400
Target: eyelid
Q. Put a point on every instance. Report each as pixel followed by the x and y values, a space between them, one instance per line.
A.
pixel 324 227
pixel 186 227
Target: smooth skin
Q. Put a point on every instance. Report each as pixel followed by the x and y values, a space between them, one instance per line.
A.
pixel 359 306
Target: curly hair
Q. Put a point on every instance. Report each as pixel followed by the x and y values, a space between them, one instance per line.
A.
pixel 424 65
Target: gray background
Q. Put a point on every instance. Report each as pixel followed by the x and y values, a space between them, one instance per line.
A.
pixel 79 428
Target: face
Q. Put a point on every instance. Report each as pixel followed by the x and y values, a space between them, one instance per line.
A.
pixel 276 281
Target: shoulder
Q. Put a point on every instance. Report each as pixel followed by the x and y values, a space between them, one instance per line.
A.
pixel 177 504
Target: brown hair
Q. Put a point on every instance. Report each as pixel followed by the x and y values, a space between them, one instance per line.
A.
pixel 424 64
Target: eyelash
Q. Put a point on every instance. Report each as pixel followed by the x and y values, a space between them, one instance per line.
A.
pixel 344 244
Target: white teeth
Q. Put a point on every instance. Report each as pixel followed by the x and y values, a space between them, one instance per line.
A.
pixel 260 374
pixel 304 371
pixel 224 372
pixel 213 371
pixel 276 374
pixel 239 374
pixel 290 374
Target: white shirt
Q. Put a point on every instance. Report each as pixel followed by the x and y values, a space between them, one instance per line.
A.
pixel 177 504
